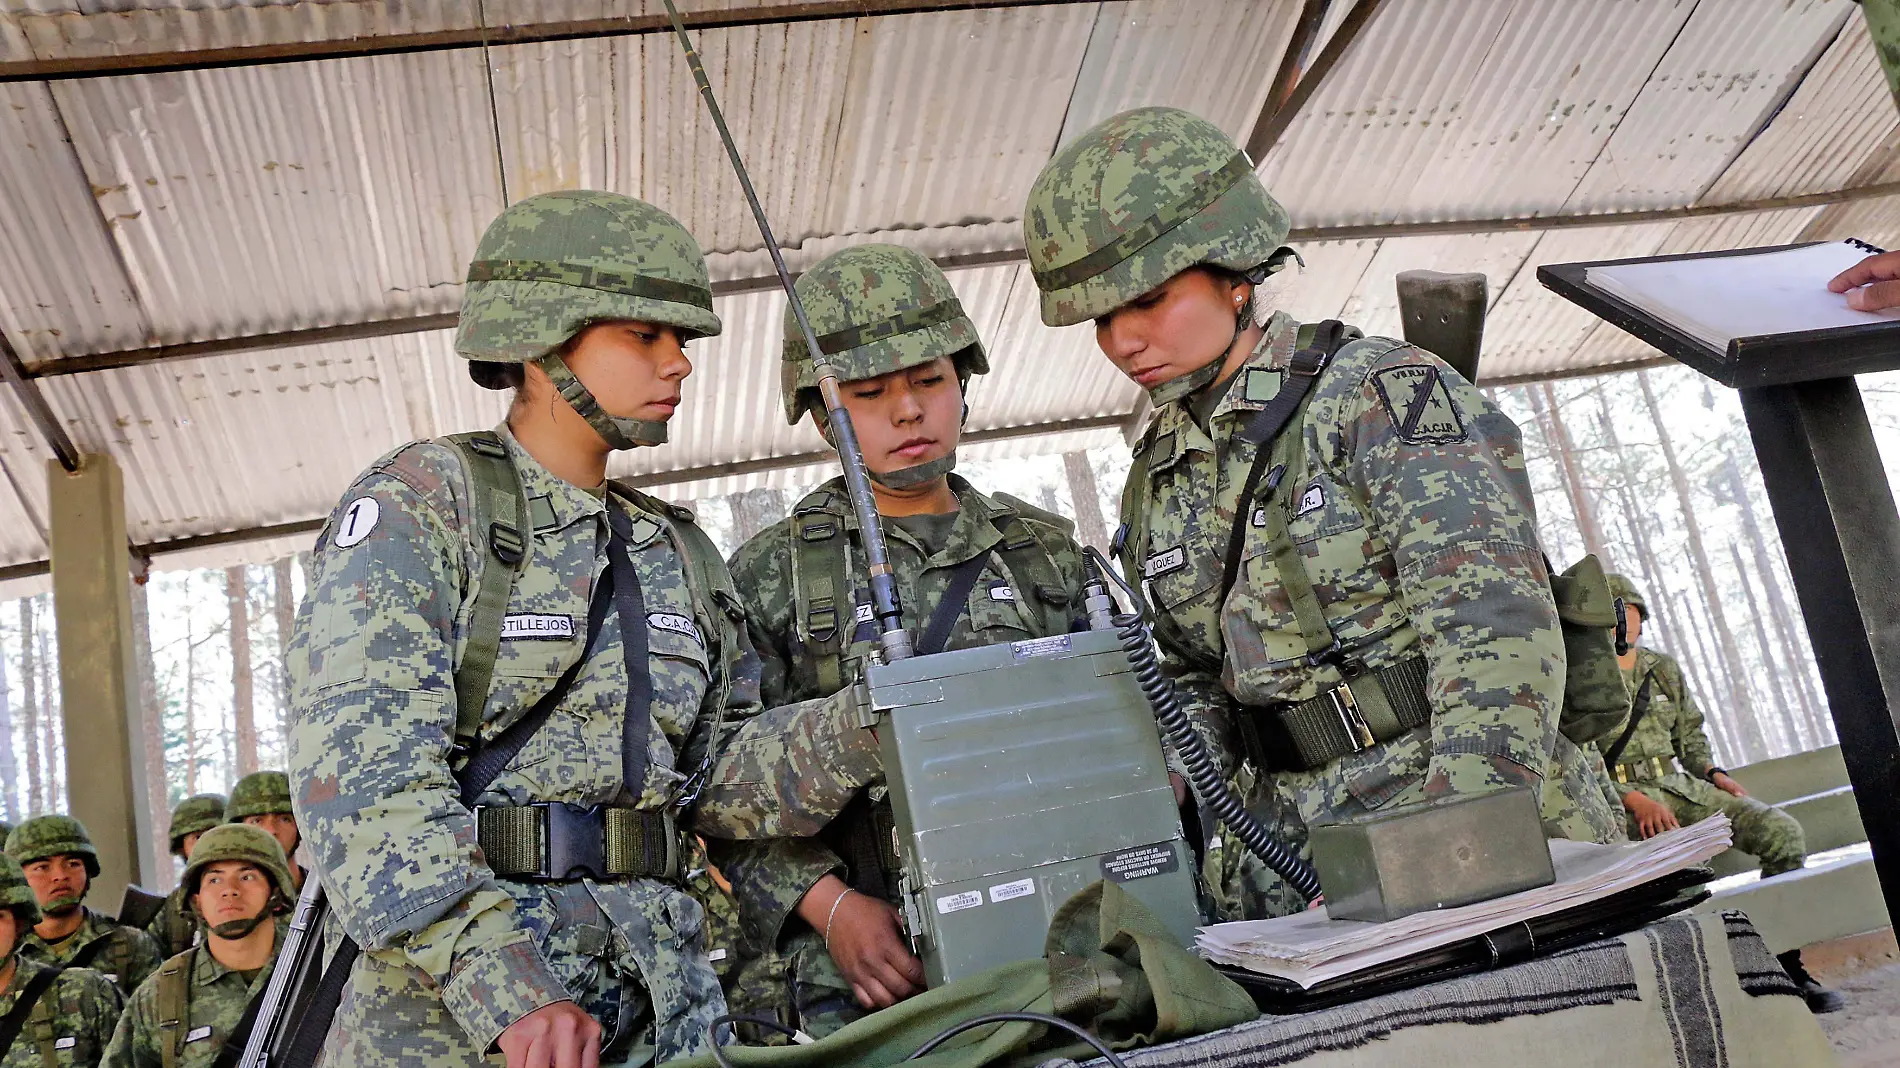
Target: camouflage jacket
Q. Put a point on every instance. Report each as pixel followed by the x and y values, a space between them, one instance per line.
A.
pixel 768 877
pixel 175 927
pixel 69 1025
pixel 372 666
pixel 214 999
pixel 126 960
pixel 1673 725
pixel 1410 505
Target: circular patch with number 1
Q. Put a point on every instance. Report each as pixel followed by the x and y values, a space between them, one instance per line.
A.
pixel 358 519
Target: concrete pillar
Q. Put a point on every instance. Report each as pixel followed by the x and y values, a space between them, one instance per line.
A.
pixel 98 673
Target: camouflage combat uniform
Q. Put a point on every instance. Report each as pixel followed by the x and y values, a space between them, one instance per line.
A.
pixel 127 955
pixel 1402 490
pixel 878 309
pixel 1668 760
pixel 175 927
pixel 193 1001
pixel 73 1017
pixel 454 954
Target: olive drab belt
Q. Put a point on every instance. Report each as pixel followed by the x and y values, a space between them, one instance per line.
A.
pixel 1367 708
pixel 1638 771
pixel 554 841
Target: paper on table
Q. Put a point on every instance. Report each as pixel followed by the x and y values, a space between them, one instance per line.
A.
pixel 1720 298
pixel 1310 948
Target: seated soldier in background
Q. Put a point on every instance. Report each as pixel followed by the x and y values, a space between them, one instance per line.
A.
pixel 71 1011
pixel 175 927
pixel 1664 771
pixel 60 864
pixel 262 799
pixel 182 1016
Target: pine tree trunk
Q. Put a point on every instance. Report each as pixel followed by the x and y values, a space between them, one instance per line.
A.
pixel 10 804
pixel 1794 737
pixel 1551 421
pixel 1756 746
pixel 1663 628
pixel 1086 493
pixel 284 607
pixel 1794 658
pixel 237 595
pixel 191 709
pixel 1719 717
pixel 755 509
pixel 30 712
pixel 51 719
pixel 158 865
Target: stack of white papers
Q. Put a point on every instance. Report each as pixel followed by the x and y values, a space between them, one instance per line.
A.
pixel 1311 948
pixel 1719 298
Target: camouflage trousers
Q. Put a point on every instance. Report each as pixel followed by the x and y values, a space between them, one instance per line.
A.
pixel 632 954
pixel 1769 834
pixel 820 995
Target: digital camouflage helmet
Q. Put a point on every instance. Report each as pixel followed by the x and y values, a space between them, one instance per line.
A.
pixel 552 264
pixel 194 815
pixel 18 897
pixel 1137 199
pixel 876 309
pixel 52 836
pixel 249 845
pixel 258 794
pixel 1621 586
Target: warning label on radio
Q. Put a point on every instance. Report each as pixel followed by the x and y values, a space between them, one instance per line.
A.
pixel 1140 862
pixel 969 899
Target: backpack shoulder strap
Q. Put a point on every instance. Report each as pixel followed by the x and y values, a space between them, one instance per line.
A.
pixel 1033 566
pixel 28 1006
pixel 174 983
pixel 823 608
pixel 499 510
pixel 90 951
pixel 1639 707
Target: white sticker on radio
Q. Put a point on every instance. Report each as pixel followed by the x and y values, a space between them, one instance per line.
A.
pixel 1012 891
pixel 969 899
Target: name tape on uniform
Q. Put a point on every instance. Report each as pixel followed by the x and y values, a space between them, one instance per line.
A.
pixel 1312 500
pixel 536 627
pixel 1012 891
pixel 1002 592
pixel 358 519
pixel 69 1041
pixel 676 623
pixel 1163 562
pixel 198 1034
pixel 969 899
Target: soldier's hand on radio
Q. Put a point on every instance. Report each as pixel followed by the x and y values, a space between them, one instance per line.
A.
pixel 559 1035
pixel 867 942
pixel 1872 284
pixel 1652 817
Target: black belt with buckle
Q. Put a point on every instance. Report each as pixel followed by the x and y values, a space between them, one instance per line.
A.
pixel 1368 708
pixel 555 841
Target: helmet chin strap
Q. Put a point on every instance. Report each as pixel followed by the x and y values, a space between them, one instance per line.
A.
pixel 63 906
pixel 1193 382
pixel 618 432
pixel 907 477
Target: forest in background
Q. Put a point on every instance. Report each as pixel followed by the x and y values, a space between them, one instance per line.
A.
pixel 1652 470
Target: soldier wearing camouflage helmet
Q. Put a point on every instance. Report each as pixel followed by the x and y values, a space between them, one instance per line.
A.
pixel 70 1010
pixel 1663 772
pixel 60 863
pixel 237 883
pixel 1387 549
pixel 262 799
pixel 175 928
pixel 974 568
pixel 464 583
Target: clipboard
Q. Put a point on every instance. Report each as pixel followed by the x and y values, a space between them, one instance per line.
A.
pixel 1748 362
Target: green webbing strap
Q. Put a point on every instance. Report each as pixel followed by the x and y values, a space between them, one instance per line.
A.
pixel 1035 576
pixel 1639 707
pixel 495 491
pixel 635 842
pixel 172 981
pixel 902 323
pixel 30 1008
pixel 584 276
pixel 822 593
pixel 1289 453
pixel 1390 702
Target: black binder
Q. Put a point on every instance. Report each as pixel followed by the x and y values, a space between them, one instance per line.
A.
pixel 1769 360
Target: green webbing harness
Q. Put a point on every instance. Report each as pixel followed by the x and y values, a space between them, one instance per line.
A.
pixel 499 507
pixel 822 590
pixel 31 1011
pixel 174 1003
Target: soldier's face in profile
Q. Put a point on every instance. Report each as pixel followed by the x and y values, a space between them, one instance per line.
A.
pixel 9 932
pixel 633 369
pixel 907 417
pixel 185 842
pixel 1634 616
pixel 281 825
pixel 58 882
pixel 230 891
pixel 1174 329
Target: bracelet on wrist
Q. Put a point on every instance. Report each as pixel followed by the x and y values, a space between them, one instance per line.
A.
pixel 833 914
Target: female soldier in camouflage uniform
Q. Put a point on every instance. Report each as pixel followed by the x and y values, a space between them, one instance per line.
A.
pixel 183 1015
pixel 974 569
pixel 175 927
pixel 73 1009
pixel 1389 542
pixel 478 933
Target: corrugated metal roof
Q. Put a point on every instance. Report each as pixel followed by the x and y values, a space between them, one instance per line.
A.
pixel 216 203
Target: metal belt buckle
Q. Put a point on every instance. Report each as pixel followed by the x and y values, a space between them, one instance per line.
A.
pixel 1358 732
pixel 575 842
